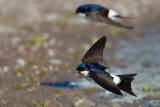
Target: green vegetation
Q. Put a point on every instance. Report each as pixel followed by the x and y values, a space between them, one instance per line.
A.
pixel 33 62
pixel 94 88
pixel 32 79
pixel 37 39
pixel 79 101
pixel 58 91
pixel 148 88
pixel 18 69
pixel 41 103
pixel 20 86
pixel 116 30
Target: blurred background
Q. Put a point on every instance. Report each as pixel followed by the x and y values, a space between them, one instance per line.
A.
pixel 42 42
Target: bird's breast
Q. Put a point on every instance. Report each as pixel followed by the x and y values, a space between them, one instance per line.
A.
pixel 82 15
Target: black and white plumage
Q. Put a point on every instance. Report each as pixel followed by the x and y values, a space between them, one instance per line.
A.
pixel 100 14
pixel 91 68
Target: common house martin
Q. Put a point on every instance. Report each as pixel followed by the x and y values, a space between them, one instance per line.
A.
pixel 92 68
pixel 101 14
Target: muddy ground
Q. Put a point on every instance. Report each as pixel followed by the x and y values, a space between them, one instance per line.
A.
pixel 44 41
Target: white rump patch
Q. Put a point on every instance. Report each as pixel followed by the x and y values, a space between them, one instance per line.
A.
pixel 112 14
pixel 85 73
pixel 116 79
pixel 82 15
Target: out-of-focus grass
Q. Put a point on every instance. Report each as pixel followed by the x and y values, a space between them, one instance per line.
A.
pixel 32 80
pixel 31 62
pixel 19 69
pixel 148 88
pixel 37 39
pixel 94 88
pixel 79 101
pixel 41 103
pixel 20 86
pixel 116 30
pixel 4 97
pixel 58 91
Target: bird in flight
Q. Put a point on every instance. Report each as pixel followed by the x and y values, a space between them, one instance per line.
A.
pixel 101 14
pixel 92 68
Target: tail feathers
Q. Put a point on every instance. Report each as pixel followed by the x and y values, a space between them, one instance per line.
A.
pixel 125 83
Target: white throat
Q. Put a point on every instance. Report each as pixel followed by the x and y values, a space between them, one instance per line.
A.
pixel 84 73
pixel 112 14
pixel 116 79
pixel 82 15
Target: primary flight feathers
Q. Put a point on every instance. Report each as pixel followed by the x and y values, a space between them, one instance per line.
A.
pixel 95 53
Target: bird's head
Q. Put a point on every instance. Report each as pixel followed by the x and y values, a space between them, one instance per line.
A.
pixel 82 67
pixel 84 9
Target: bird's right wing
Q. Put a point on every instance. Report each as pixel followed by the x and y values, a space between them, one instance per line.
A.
pixel 106 82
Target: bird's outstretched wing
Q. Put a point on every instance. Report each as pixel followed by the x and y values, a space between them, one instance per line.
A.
pixel 106 82
pixel 95 53
pixel 109 21
pixel 102 16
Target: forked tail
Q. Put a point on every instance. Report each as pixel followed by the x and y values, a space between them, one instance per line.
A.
pixel 125 83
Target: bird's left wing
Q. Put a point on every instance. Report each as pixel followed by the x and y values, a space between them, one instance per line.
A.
pixel 95 53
